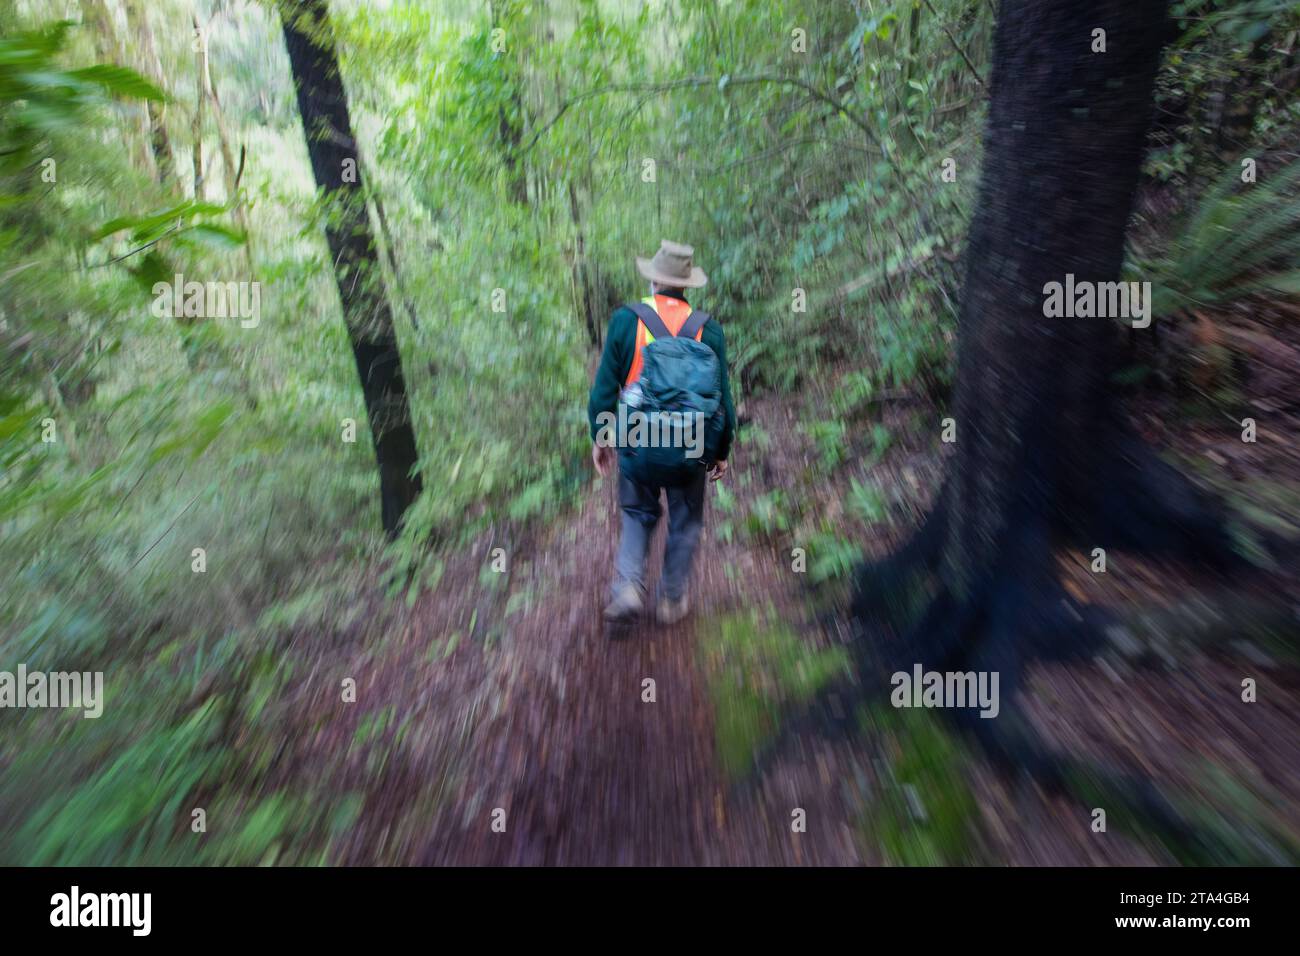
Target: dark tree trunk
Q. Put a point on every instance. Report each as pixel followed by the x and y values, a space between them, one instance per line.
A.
pixel 1063 150
pixel 511 138
pixel 335 163
pixel 1043 457
pixel 510 119
pixel 582 273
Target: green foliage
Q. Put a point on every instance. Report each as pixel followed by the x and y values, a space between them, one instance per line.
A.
pixel 151 455
pixel 1239 239
pixel 187 224
pixel 130 809
pixel 866 501
pixel 757 672
pixel 832 556
pixel 881 439
pixel 925 810
pixel 854 393
pixel 914 349
pixel 1243 22
pixel 769 515
pixel 39 98
pixel 1217 95
pixel 828 436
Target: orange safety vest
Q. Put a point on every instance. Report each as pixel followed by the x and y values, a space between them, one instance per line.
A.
pixel 674 312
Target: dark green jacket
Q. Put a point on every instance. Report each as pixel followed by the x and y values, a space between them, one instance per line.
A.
pixel 616 362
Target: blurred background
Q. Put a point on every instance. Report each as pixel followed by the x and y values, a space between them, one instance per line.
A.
pixel 327 693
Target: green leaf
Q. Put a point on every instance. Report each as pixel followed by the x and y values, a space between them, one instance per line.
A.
pixel 118 80
pixel 209 234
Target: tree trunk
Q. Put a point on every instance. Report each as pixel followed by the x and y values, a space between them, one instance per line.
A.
pixel 151 67
pixel 1042 456
pixel 1063 151
pixel 230 169
pixel 201 86
pixel 510 130
pixel 110 49
pixel 335 162
pixel 390 256
pixel 511 138
pixel 582 286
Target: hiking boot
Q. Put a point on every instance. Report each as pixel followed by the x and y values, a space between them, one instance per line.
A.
pixel 625 605
pixel 671 611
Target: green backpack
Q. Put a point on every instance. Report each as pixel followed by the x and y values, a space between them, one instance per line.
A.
pixel 674 412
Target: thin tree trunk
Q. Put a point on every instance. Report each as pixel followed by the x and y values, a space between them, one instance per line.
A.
pixel 581 272
pixel 230 170
pixel 150 66
pixel 201 86
pixel 335 163
pixel 511 137
pixel 510 121
pixel 95 14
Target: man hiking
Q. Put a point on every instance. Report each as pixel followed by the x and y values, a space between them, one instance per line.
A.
pixel 661 402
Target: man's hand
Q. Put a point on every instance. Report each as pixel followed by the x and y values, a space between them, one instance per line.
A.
pixel 602 456
pixel 718 470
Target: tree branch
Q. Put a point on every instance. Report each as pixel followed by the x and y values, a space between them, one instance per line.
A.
pixel 701 81
pixel 957 46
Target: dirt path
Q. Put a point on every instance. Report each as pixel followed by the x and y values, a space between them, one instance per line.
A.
pixel 505 693
pixel 587 770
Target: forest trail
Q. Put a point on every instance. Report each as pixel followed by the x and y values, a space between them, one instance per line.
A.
pixel 504 691
pixel 538 712
pixel 588 771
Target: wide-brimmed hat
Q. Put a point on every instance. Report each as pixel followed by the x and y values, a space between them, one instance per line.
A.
pixel 672 267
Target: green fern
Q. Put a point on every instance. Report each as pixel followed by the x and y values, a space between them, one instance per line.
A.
pixel 1238 240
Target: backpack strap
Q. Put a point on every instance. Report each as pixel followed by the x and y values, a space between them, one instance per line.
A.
pixel 694 322
pixel 651 319
pixel 690 328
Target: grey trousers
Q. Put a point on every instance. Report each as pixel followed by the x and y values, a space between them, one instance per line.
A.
pixel 641 510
